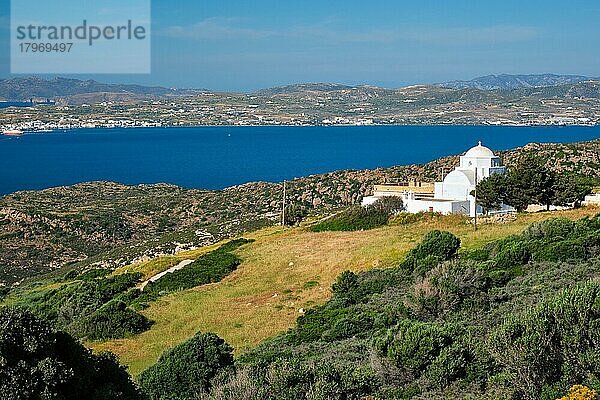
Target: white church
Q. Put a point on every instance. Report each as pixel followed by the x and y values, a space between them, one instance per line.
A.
pixel 453 195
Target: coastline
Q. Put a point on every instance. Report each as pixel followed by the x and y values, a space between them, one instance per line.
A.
pixel 65 129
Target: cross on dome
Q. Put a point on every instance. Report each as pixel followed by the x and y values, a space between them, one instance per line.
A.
pixel 479 151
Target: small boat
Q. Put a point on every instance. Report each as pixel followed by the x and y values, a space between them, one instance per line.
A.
pixel 12 132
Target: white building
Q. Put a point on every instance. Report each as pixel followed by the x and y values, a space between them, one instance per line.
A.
pixel 453 195
pixel 592 199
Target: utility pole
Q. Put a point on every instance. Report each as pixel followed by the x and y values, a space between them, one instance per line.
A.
pixel 475 195
pixel 283 207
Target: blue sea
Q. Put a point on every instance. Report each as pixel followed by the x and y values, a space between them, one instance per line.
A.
pixel 218 157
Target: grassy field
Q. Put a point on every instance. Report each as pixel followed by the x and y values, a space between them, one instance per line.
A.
pixel 282 273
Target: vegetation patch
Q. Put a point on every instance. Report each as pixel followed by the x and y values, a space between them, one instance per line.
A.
pixel 358 218
pixel 39 362
pixel 485 322
pixel 208 268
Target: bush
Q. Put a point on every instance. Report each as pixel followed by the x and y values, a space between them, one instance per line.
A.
pixel 347 286
pixel 315 322
pixel 435 355
pixel 73 302
pixel 391 205
pixel 38 362
pixel 448 286
pixel 565 250
pixel 580 392
pixel 513 255
pixel 349 325
pixel 406 218
pixel 114 320
pixel 186 370
pixel 94 273
pixel 436 246
pixel 551 229
pixel 557 342
pixel 294 378
pixel 362 218
pixel 350 288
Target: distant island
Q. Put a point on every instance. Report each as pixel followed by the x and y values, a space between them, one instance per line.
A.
pixel 513 100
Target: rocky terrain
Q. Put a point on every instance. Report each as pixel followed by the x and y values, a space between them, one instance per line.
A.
pixel 108 224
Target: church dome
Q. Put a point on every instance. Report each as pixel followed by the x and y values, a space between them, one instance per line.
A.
pixel 479 151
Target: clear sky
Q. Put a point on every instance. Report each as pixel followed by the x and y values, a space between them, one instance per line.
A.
pixel 245 45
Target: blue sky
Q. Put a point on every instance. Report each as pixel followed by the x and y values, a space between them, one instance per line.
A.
pixel 245 45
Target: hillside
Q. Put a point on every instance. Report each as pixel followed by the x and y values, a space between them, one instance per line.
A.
pixel 284 273
pixel 109 224
pixel 34 87
pixel 317 104
pixel 421 307
pixel 506 81
pixel 301 87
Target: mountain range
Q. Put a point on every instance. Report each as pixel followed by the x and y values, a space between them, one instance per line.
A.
pixel 24 88
pixel 505 81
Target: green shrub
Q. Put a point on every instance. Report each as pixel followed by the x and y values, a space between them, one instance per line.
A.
pixel 391 205
pixel 38 362
pixel 294 378
pixel 76 300
pixel 513 255
pixel 348 325
pixel 114 320
pixel 94 273
pixel 450 365
pixel 565 250
pixel 351 288
pixel 551 229
pixel 315 322
pixel 557 342
pixel 406 218
pixel 347 286
pixel 414 345
pixel 69 276
pixel 186 370
pixel 480 254
pixel 436 246
pixel 294 214
pixel 357 218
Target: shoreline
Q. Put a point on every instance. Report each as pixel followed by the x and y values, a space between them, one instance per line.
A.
pixel 52 130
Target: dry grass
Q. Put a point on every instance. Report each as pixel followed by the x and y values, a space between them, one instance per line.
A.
pixel 263 297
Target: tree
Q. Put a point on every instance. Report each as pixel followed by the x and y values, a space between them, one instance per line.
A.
pixel 530 182
pixel 37 362
pixel 491 192
pixel 389 204
pixel 572 189
pixel 186 370
pixel 294 214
